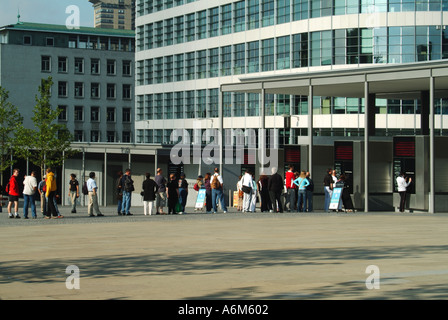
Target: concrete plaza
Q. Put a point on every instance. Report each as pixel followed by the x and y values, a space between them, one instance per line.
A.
pixel 225 256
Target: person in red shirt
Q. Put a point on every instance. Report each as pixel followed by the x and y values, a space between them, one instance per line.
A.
pixel 14 192
pixel 290 188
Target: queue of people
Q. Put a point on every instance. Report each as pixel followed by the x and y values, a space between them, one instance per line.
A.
pixel 294 193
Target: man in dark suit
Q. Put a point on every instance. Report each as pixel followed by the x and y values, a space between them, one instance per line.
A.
pixel 275 187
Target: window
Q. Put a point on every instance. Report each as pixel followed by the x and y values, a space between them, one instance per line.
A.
pixel 79 90
pixel 111 91
pixel 62 89
pixel 94 136
pixel 110 136
pixel 179 29
pixel 126 115
pixel 267 55
pixel 226 61
pixel 62 113
pixel 95 90
pixel 46 64
pixel 158 34
pixel 213 22
pixel 111 67
pixel 169 35
pixel 27 40
pixel 95 66
pixel 168 69
pixel 267 10
pixel 79 113
pixel 239 56
pixel 190 66
pixel 126 137
pixel 201 25
pixel 127 68
pixel 49 41
pixel 110 114
pixel 283 11
pixel 253 60
pixel 78 136
pixel 126 91
pixel 62 64
pixel 201 64
pixel 283 53
pixel 253 14
pixel 179 67
pixel 226 19
pixel 95 114
pixel 79 65
pixel 213 62
pixel 239 16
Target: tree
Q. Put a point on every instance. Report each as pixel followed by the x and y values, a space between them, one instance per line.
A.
pixel 48 144
pixel 10 123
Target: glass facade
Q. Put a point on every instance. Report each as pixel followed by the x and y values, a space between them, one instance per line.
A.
pixel 240 54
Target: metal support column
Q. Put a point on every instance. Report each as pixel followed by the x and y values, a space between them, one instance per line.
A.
pixel 310 129
pixel 220 128
pixel 431 147
pixel 104 179
pixel 366 146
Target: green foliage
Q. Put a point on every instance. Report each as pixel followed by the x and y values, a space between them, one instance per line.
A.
pixel 48 144
pixel 10 123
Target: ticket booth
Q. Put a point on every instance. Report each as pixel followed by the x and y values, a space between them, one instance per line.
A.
pixel 343 161
pixel 411 156
pixel 404 160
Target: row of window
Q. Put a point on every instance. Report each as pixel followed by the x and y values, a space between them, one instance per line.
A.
pixel 95 90
pixel 332 47
pixel 96 136
pixel 284 137
pixel 144 7
pixel 95 66
pixel 253 14
pixel 202 104
pixel 95 114
pixel 101 43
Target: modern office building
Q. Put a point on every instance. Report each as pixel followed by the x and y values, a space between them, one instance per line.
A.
pixel 114 14
pixel 326 81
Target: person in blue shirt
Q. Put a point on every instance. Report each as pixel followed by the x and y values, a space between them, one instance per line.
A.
pixel 301 182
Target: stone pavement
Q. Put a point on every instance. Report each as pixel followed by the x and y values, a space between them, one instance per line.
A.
pixel 225 256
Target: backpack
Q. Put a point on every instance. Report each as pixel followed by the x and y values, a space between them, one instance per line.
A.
pixel 215 183
pixel 7 188
pixel 196 187
pixel 128 184
pixel 85 191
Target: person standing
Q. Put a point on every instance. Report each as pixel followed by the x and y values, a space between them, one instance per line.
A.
pixel 328 189
pixel 183 191
pixel 172 194
pixel 208 192
pixel 264 193
pixel 41 188
pixel 301 182
pixel 161 191
pixel 29 190
pixel 217 185
pixel 73 192
pixel 92 188
pixel 247 187
pixel 240 191
pixel 149 194
pixel 308 204
pixel 118 189
pixel 402 185
pixel 51 188
pixel 345 196
pixel 13 191
pixel 127 187
pixel 290 189
pixel 275 187
pixel 254 194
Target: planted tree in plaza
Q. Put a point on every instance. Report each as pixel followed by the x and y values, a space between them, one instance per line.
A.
pixel 10 123
pixel 48 144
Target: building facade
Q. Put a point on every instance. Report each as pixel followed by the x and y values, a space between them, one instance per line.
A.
pixel 114 14
pixel 92 71
pixel 186 51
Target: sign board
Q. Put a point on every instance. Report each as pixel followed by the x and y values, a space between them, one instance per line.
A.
pixel 235 199
pixel 200 200
pixel 335 198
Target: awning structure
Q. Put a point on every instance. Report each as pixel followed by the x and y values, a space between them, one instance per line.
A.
pixel 423 80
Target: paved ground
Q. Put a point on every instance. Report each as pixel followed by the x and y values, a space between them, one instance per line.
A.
pixel 225 256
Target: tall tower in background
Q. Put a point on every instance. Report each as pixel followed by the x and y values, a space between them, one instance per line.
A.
pixel 114 14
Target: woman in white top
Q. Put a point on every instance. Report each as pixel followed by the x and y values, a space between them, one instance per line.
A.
pixel 247 181
pixel 402 185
